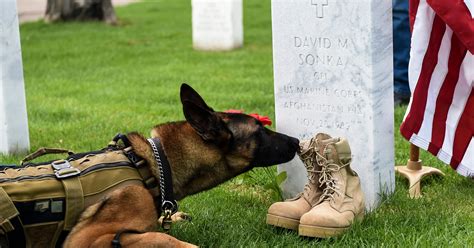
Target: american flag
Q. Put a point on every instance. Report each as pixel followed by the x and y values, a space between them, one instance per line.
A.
pixel 440 115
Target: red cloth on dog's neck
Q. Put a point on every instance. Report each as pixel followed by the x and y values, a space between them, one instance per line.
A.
pixel 265 120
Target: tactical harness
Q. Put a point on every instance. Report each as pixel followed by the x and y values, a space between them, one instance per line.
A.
pixel 41 202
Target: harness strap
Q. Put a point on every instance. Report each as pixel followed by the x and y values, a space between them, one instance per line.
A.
pixel 74 201
pixel 17 237
pixel 7 211
pixel 148 178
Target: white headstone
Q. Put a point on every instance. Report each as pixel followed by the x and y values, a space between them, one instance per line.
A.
pixel 333 74
pixel 14 136
pixel 217 24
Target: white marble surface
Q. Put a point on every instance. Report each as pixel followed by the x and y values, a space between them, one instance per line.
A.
pixel 217 24
pixel 333 73
pixel 14 136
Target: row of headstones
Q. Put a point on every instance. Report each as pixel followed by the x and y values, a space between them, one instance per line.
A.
pixel 332 71
pixel 217 25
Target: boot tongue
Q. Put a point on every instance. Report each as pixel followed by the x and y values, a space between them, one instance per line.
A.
pixel 343 151
pixel 309 148
pixel 304 146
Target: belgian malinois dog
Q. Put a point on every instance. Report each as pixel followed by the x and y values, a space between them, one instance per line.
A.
pixel 204 151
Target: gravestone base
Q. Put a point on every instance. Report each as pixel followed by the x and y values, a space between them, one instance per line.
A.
pixel 217 24
pixel 14 137
pixel 333 74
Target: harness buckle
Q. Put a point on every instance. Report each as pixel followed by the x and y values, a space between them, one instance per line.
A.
pixel 136 161
pixel 60 164
pixel 63 169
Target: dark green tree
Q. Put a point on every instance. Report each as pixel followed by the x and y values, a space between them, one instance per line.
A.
pixel 80 10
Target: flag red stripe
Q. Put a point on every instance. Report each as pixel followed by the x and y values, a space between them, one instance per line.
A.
pixel 456 14
pixel 446 93
pixel 413 9
pixel 413 121
pixel 464 132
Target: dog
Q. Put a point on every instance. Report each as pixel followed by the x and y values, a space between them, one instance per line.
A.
pixel 205 150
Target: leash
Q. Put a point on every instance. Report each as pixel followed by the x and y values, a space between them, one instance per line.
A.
pixel 169 206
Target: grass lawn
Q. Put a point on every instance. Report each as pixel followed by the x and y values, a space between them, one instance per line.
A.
pixel 87 81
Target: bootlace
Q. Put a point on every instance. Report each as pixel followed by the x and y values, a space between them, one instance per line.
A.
pixel 327 181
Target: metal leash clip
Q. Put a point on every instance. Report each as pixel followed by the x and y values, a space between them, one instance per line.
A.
pixel 166 224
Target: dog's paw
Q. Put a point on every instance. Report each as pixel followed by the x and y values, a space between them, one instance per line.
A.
pixel 181 216
pixel 177 217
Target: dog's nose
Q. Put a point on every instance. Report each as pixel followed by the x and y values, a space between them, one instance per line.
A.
pixel 295 143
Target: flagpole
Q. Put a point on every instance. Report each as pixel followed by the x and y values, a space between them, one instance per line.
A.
pixel 414 171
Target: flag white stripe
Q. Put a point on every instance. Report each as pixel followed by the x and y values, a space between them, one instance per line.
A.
pixel 466 167
pixel 461 94
pixel 419 45
pixel 419 42
pixel 469 68
pixel 436 81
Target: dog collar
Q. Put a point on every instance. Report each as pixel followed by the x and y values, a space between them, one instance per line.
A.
pixel 169 205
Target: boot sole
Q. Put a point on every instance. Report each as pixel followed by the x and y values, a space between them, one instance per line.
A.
pixel 284 222
pixel 324 232
pixel 320 232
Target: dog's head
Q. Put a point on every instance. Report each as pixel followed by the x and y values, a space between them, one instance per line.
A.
pixel 243 139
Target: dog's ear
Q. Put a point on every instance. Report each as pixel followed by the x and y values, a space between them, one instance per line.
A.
pixel 189 94
pixel 203 118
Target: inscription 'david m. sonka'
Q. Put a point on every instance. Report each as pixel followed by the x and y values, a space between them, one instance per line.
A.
pixel 321 44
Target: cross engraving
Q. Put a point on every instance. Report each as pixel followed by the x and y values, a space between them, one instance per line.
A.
pixel 319 7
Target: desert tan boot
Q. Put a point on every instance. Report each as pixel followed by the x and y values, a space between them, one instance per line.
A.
pixel 287 214
pixel 342 200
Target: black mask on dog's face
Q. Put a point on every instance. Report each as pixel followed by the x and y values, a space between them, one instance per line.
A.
pixel 274 148
pixel 244 139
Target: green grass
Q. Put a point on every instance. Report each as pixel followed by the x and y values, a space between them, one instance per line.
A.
pixel 87 81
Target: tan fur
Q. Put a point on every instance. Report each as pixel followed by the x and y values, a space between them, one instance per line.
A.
pixel 196 166
pixel 195 163
pixel 204 151
pixel 190 158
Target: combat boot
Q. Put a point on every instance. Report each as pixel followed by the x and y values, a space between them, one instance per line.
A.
pixel 342 200
pixel 287 214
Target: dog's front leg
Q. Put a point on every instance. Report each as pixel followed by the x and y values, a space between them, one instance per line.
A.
pixel 130 208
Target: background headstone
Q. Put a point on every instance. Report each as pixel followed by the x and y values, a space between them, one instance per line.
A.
pixel 333 74
pixel 217 24
pixel 14 136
